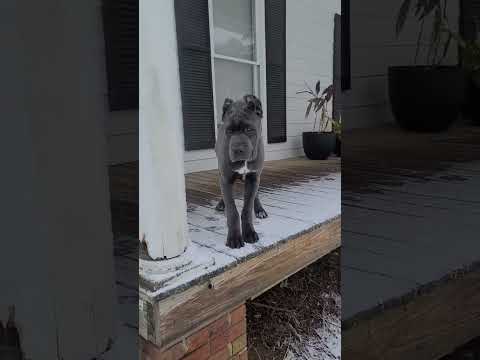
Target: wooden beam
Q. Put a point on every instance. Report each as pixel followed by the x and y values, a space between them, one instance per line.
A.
pixel 429 326
pixel 165 321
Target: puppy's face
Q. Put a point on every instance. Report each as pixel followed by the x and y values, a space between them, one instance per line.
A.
pixel 242 126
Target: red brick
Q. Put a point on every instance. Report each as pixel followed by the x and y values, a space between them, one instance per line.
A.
pixel 237 330
pixel 178 351
pixel 218 326
pixel 243 355
pixel 196 340
pixel 151 352
pixel 238 314
pixel 223 354
pixel 218 342
pixel 239 344
pixel 201 353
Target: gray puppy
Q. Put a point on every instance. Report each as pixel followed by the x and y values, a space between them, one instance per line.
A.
pixel 240 155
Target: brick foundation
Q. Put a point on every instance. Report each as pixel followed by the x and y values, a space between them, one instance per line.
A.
pixel 222 339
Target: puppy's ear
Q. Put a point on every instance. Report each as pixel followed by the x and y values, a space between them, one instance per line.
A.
pixel 226 105
pixel 254 104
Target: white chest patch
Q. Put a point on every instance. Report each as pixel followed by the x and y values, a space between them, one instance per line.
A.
pixel 244 170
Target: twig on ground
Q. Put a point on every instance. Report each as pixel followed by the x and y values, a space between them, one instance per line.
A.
pixel 270 307
pixel 297 335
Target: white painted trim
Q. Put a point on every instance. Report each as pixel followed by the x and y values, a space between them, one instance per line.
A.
pixel 212 62
pixel 261 58
pixel 162 203
pixel 197 160
pixel 234 59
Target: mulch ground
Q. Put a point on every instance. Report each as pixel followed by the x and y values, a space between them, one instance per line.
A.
pixel 300 317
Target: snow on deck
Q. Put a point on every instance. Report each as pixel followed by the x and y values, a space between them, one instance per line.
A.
pixel 294 207
pixel 411 210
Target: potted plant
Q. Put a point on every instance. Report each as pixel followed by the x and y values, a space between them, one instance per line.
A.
pixel 318 145
pixel 427 97
pixel 470 54
pixel 337 129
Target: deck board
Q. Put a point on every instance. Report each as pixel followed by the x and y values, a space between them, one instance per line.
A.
pixel 302 198
pixel 411 209
pixel 298 195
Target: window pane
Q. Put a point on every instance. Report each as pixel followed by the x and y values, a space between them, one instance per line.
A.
pixel 233 28
pixel 233 80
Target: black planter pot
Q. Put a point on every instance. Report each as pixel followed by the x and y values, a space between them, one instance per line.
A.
pixel 426 98
pixel 472 108
pixel 338 146
pixel 318 145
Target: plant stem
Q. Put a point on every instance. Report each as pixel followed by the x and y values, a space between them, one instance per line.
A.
pixel 420 35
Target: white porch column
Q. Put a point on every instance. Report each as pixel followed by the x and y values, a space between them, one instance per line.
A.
pixel 163 224
pixel 56 262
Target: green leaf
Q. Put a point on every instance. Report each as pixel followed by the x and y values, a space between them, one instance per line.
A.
pixel 402 15
pixel 446 46
pixel 319 104
pixel 317 87
pixel 428 8
pixel 420 6
pixel 308 109
pixel 328 89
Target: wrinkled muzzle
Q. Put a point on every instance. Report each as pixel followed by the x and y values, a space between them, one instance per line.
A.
pixel 241 148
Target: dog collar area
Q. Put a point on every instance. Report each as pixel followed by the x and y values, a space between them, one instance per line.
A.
pixel 243 170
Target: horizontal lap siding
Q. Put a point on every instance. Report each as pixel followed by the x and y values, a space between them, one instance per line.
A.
pixel 121 45
pixel 374 47
pixel 120 29
pixel 310 33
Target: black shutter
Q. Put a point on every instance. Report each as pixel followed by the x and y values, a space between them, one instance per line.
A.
pixel 470 19
pixel 337 64
pixel 193 36
pixel 275 30
pixel 121 43
pixel 345 46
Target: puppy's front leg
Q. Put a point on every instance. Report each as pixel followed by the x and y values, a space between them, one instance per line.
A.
pixel 251 188
pixel 234 238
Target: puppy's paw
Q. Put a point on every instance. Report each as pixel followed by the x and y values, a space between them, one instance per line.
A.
pixel 261 213
pixel 220 206
pixel 234 240
pixel 250 235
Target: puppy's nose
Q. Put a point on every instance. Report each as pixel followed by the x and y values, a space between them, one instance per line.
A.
pixel 239 151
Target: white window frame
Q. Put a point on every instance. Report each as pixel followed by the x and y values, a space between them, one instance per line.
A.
pixel 196 160
pixel 259 73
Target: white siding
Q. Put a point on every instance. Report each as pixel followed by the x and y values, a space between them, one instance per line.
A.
pixel 122 136
pixel 373 48
pixel 309 56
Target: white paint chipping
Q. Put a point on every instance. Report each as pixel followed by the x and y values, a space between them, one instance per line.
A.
pixel 162 200
pixel 58 236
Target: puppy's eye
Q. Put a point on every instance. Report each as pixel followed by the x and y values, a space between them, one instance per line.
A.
pixel 249 130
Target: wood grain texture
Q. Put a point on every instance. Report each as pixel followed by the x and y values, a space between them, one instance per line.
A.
pixel 178 314
pixel 427 327
pixel 412 204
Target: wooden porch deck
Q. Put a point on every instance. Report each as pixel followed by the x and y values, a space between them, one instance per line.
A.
pixel 302 199
pixel 410 242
